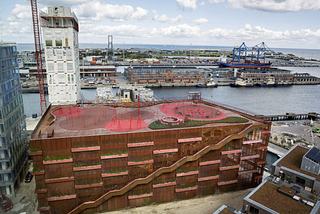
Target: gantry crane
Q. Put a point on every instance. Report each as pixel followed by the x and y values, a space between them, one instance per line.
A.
pixel 256 52
pixel 36 32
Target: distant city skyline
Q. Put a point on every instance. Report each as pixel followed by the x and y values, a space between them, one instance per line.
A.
pixel 280 24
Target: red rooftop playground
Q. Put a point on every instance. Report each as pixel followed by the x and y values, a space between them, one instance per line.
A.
pixel 102 157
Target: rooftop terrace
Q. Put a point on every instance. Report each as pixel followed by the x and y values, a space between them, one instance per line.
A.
pixel 103 119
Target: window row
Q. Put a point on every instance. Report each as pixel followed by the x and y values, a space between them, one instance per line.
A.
pixel 60 67
pixel 61 79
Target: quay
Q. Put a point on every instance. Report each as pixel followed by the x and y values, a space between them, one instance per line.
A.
pixel 277 150
pixel 292 116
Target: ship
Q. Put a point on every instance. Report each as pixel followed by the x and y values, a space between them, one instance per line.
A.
pixel 246 64
pixel 241 83
pixel 209 84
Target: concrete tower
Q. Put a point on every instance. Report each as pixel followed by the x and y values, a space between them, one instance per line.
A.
pixel 60 37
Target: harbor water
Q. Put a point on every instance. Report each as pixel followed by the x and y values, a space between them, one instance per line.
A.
pixel 259 100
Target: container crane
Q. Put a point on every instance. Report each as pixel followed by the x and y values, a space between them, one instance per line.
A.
pixel 36 31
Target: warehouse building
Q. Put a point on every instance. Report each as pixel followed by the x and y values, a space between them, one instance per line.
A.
pixel 165 74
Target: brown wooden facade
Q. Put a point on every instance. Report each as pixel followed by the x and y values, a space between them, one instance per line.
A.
pixel 136 169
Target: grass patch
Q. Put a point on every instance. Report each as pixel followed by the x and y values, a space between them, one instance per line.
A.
pixel 52 158
pixel 85 165
pixel 38 188
pixel 36 169
pixel 141 160
pixel 114 153
pixel 116 172
pixel 35 149
pixel 191 123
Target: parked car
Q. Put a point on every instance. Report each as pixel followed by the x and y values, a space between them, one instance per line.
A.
pixel 5 203
pixel 29 177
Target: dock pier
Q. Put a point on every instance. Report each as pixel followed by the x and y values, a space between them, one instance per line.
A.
pixel 291 116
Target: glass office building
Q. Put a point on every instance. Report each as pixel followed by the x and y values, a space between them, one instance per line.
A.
pixel 13 134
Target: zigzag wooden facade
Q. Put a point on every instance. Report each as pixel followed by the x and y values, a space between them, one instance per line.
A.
pixel 109 172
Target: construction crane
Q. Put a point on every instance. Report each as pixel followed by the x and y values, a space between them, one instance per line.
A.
pixel 36 32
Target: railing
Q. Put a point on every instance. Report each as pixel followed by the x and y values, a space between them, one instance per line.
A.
pixel 45 114
pixel 162 170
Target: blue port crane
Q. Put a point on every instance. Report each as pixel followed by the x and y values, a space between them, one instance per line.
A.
pixel 238 52
pixel 256 52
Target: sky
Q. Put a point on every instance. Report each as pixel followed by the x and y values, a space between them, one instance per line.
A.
pixel 278 23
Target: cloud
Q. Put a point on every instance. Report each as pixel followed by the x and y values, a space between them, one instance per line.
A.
pixel 97 11
pixel 187 4
pixel 164 18
pixel 184 34
pixel 215 1
pixel 257 34
pixel 202 3
pixel 275 5
pixel 179 31
pixel 65 3
pixel 200 21
pixel 20 13
pixel 13 31
pixel 132 31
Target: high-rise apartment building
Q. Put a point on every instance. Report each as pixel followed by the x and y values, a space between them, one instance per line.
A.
pixel 13 135
pixel 60 37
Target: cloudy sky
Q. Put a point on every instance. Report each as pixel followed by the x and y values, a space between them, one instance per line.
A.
pixel 278 23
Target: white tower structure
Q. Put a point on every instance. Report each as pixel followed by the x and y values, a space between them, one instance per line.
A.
pixel 60 38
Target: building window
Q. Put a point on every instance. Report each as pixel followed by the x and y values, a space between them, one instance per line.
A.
pixel 300 181
pixel 254 210
pixel 69 66
pixel 69 54
pixel 58 42
pixel 50 67
pixel 59 54
pixel 60 66
pixel 61 79
pixel 48 42
pixel 66 41
pixel 72 78
pixel 50 54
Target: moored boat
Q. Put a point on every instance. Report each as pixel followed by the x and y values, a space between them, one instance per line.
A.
pixel 244 65
pixel 269 83
pixel 241 83
pixel 209 84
